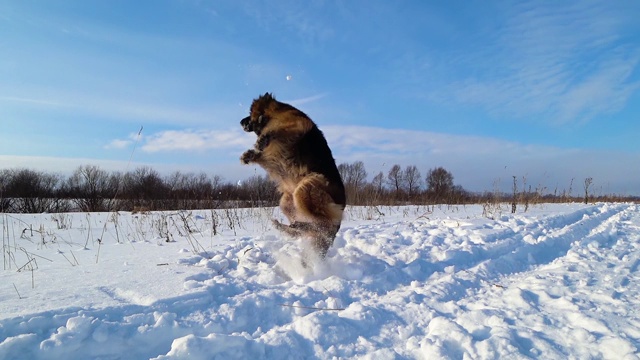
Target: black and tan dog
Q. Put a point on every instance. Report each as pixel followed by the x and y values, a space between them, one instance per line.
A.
pixel 295 154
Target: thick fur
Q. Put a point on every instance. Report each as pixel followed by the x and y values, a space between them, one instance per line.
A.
pixel 295 154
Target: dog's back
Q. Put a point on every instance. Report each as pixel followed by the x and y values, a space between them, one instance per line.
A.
pixel 313 150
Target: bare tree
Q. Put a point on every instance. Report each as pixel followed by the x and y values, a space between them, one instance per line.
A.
pixel 260 190
pixel 373 192
pixel 345 174
pixel 353 174
pixel 354 177
pixel 216 198
pixel 587 183
pixel 439 183
pixel 6 202
pixel 359 175
pixel 90 188
pixel 378 182
pixel 34 191
pixel 176 182
pixel 145 187
pixel 412 179
pixel 396 180
pixel 116 185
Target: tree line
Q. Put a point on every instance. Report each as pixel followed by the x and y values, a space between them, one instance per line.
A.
pixel 400 186
pixel 91 189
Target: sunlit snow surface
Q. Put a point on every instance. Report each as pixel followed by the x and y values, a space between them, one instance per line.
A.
pixel 453 282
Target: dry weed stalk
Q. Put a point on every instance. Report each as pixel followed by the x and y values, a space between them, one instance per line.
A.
pixel 514 201
pixel 233 219
pixel 491 208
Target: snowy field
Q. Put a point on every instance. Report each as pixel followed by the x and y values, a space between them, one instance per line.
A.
pixel 559 281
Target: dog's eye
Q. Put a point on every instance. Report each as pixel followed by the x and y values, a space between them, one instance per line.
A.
pixel 262 120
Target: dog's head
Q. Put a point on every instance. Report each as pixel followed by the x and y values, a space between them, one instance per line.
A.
pixel 258 117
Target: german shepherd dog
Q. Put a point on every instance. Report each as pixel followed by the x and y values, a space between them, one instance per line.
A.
pixel 295 154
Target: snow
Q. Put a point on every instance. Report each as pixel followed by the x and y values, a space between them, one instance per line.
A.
pixel 559 281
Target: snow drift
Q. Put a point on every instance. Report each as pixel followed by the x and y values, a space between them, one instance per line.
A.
pixel 559 281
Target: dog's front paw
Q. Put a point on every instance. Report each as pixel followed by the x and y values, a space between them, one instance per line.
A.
pixel 262 142
pixel 249 156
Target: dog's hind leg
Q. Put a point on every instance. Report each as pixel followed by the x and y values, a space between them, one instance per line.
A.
pixel 287 206
pixel 317 213
pixel 321 238
pixel 314 205
pixel 289 210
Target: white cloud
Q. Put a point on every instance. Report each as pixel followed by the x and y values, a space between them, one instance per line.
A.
pixel 479 162
pixel 231 170
pixel 476 162
pixel 197 140
pixel 58 164
pixel 118 144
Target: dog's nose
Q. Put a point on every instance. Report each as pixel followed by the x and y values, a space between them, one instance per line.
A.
pixel 246 123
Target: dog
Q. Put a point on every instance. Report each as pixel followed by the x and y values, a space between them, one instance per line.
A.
pixel 296 156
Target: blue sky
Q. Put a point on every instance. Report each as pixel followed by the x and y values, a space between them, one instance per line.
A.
pixel 546 90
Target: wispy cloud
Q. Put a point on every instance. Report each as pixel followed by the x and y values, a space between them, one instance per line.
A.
pixel 118 144
pixel 604 91
pixel 415 143
pixel 562 62
pixel 301 19
pixel 306 100
pixel 32 101
pixel 133 138
pixel 130 111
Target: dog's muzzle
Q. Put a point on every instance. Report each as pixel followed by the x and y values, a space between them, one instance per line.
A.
pixel 246 124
